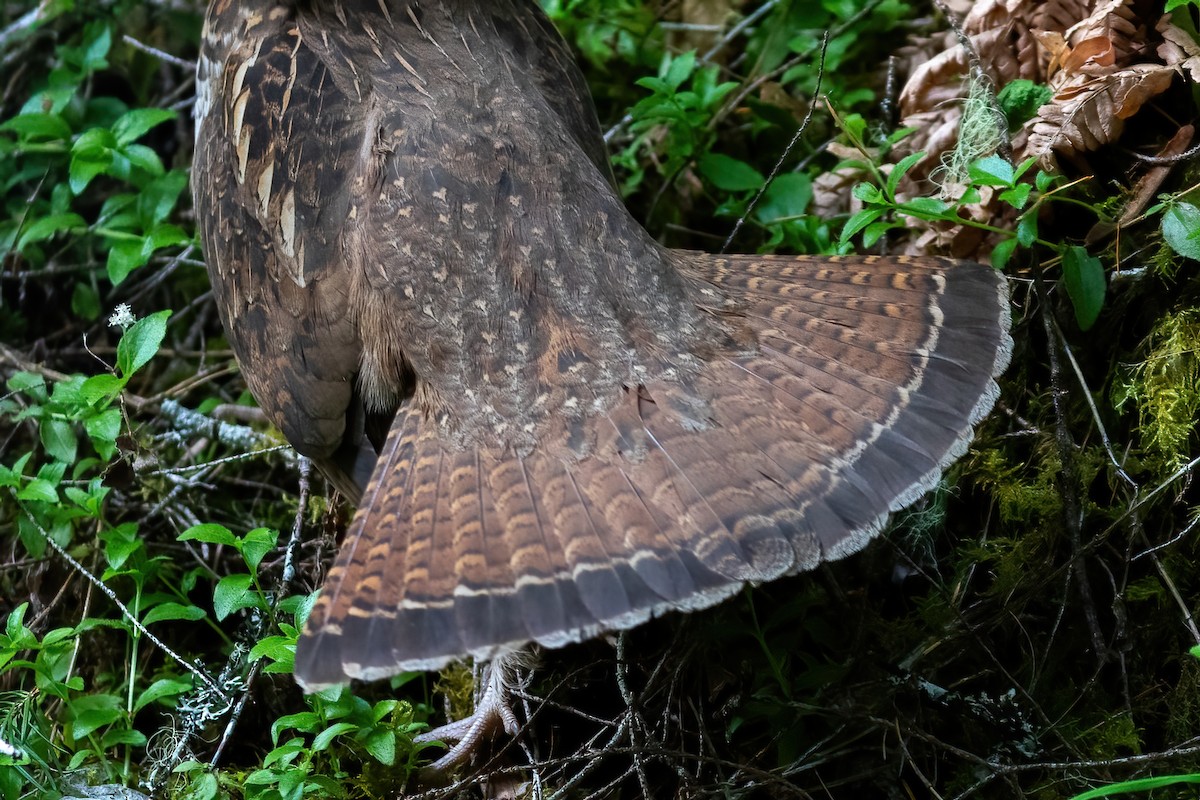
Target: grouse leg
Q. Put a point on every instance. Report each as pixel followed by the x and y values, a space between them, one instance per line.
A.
pixel 492 714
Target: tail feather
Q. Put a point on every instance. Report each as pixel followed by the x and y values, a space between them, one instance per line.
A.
pixel 863 383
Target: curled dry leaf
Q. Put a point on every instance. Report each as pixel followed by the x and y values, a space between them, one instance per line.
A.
pixel 1117 22
pixel 1178 49
pixel 1059 15
pixel 1090 111
pixel 833 192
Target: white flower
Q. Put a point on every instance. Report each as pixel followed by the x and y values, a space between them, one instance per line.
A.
pixel 122 317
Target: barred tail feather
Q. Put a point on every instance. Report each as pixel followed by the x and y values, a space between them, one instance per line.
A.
pixel 866 380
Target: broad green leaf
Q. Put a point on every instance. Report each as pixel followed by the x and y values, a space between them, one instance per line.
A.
pixel 1083 277
pixel 304 722
pixel 1027 229
pixel 322 739
pixel 1181 229
pixel 256 544
pixel 204 786
pixel 929 207
pixel 134 124
pixel 103 429
pixel 1002 253
pixel 126 256
pixel 94 711
pixel 142 157
pixel 140 342
pixel 786 198
pixel 85 302
pixel 58 437
pixel 38 126
pixel 381 744
pixel 1139 785
pixel 729 173
pixel 166 612
pixel 122 736
pixel 38 489
pixel 45 228
pixel 210 533
pixel 233 593
pixel 164 687
pixel 680 68
pixel 991 171
pixel 100 387
pixel 859 221
pixel 898 171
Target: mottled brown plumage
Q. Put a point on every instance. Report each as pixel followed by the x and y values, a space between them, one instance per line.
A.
pixel 417 252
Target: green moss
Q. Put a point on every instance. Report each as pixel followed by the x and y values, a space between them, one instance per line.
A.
pixel 1165 388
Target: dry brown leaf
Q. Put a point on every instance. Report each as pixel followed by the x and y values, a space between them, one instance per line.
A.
pixel 1090 54
pixel 833 192
pixel 702 13
pixel 1058 15
pixel 1178 49
pixel 1116 21
pixel 993 14
pixel 934 83
pixel 1089 112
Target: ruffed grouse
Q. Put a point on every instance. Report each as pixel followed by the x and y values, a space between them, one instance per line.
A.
pixel 553 426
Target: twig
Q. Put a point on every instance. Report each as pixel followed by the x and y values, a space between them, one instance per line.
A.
pixel 1072 513
pixel 160 54
pixel 786 151
pixel 200 674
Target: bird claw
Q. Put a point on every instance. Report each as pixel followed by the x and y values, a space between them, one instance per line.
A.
pixel 492 714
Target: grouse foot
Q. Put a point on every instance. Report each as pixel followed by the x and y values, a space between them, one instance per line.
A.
pixel 492 714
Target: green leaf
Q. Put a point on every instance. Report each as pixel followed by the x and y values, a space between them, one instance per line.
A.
pixel 100 387
pixel 211 533
pixel 233 593
pixel 280 650
pixel 103 429
pixel 1139 785
pixel 323 739
pixel 859 221
pixel 134 124
pixel 679 69
pixel 47 227
pixel 786 198
pixel 256 544
pixel 1027 229
pixel 126 256
pixel 381 744
pixel 38 489
pixel 58 437
pixel 898 171
pixel 166 612
pixel 85 302
pixel 1017 196
pixel 204 786
pixel 991 171
pixel 140 342
pixel 1181 229
pixel 164 687
pixel 728 173
pixel 304 722
pixel 142 157
pixel 94 711
pixel 38 126
pixel 1002 253
pixel 925 207
pixel 158 199
pixel 1083 277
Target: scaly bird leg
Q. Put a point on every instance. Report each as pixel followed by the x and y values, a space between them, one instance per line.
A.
pixel 492 713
